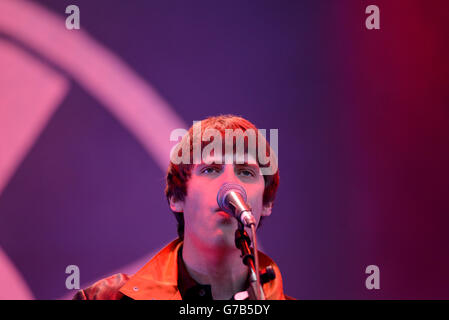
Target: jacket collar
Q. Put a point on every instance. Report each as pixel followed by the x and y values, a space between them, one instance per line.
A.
pixel 158 279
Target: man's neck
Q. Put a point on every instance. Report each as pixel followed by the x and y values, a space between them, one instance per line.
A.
pixel 222 268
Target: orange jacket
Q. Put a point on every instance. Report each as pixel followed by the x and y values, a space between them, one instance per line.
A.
pixel 158 280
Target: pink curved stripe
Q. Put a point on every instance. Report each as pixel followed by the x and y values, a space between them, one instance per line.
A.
pixel 104 75
pixel 29 94
pixel 13 286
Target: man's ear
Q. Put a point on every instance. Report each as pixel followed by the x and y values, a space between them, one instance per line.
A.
pixel 266 210
pixel 176 205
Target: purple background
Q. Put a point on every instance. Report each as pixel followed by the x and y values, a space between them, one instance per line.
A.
pixel 363 143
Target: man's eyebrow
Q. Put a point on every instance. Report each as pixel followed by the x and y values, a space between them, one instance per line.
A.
pixel 246 164
pixel 204 164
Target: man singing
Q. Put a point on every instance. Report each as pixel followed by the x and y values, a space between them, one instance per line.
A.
pixel 203 263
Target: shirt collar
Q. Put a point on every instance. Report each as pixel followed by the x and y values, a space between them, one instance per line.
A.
pixel 158 279
pixel 188 287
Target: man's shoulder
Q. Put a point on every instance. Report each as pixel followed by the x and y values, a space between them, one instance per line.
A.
pixel 161 267
pixel 104 289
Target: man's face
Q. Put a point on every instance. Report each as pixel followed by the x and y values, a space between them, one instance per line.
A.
pixel 204 223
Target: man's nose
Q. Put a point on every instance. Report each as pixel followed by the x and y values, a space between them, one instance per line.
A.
pixel 229 174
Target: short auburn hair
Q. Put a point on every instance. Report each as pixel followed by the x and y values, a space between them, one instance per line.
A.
pixel 179 174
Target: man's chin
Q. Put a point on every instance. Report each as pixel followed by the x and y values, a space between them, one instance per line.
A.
pixel 225 238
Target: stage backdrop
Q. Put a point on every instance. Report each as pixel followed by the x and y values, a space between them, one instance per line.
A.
pixel 85 118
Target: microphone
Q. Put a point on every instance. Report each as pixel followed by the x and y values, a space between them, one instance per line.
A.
pixel 231 198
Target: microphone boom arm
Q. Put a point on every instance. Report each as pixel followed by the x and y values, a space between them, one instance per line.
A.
pixel 242 242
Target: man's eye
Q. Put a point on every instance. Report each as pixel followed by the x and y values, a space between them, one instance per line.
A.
pixel 247 173
pixel 208 170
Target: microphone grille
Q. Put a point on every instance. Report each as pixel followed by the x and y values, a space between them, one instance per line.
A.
pixel 223 192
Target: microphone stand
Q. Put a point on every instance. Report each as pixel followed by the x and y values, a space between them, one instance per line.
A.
pixel 242 242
